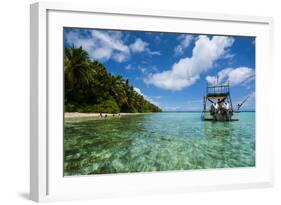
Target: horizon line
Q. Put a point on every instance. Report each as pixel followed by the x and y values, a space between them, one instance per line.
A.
pixel 201 110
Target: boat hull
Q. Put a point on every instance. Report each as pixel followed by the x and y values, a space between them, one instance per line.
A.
pixel 206 115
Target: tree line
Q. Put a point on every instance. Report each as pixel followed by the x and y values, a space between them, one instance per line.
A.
pixel 89 87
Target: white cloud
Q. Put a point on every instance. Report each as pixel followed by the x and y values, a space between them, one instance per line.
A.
pixel 119 57
pixel 185 41
pixel 212 79
pixel 129 67
pixel 99 53
pixel 229 56
pixel 138 46
pixel 235 76
pixel 138 91
pixel 146 97
pixel 153 52
pixel 187 70
pixel 105 45
pixel 147 69
pixel 101 45
pixel 141 46
pixel 111 39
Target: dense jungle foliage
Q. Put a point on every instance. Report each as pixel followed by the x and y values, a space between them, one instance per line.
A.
pixel 89 87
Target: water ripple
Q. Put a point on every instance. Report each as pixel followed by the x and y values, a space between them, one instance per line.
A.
pixel 157 142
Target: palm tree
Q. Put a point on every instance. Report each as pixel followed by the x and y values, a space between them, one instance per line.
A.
pixel 90 87
pixel 118 90
pixel 77 71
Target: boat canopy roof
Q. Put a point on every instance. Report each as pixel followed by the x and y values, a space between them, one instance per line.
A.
pixel 217 91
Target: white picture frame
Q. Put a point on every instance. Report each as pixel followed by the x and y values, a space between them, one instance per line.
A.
pixel 46 117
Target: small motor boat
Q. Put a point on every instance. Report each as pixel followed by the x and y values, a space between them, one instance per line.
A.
pixel 221 108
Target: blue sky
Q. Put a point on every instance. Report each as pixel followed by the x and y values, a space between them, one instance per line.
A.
pixel 172 69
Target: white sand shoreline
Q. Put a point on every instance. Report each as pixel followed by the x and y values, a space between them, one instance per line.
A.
pixel 68 115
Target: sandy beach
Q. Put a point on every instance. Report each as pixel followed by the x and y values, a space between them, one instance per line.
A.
pixel 96 115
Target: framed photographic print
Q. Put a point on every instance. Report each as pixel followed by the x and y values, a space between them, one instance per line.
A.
pixel 127 102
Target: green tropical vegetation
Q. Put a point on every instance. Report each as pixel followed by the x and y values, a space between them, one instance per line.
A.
pixel 89 87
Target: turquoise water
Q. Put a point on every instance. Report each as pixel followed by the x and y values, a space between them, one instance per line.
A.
pixel 157 142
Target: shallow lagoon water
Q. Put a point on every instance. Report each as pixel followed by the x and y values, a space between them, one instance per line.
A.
pixel 157 142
